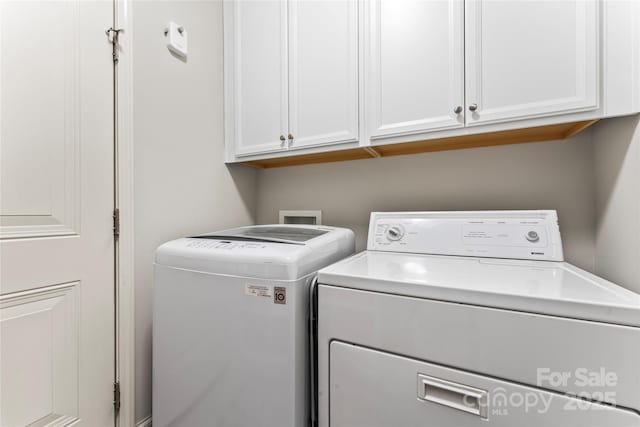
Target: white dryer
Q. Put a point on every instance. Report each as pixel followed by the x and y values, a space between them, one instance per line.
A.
pixel 231 323
pixel 472 318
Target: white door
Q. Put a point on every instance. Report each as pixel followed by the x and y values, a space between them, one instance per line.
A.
pixel 530 58
pixel 415 62
pixel 56 241
pixel 256 82
pixel 323 72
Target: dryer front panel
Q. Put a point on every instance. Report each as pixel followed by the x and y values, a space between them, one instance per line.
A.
pixel 373 388
pixel 517 347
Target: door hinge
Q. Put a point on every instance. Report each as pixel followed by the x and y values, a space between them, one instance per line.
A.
pixel 113 35
pixel 116 222
pixel 116 395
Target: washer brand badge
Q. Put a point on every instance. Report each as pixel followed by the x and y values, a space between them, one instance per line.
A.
pixel 279 295
pixel 258 290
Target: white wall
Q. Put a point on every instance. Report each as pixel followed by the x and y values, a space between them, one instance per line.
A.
pixel 617 166
pixel 182 186
pixel 545 175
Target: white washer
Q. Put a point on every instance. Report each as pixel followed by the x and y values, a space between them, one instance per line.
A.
pixel 230 325
pixel 472 318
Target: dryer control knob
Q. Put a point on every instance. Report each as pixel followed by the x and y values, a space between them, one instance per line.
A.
pixel 395 232
pixel 532 236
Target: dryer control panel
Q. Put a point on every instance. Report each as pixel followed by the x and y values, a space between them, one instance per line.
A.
pixel 491 234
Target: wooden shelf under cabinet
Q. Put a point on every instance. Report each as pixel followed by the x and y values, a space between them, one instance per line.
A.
pixel 513 136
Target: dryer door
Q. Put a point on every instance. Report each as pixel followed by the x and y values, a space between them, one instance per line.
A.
pixel 372 388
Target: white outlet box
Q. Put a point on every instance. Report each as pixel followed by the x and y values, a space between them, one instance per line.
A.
pixel 301 217
pixel 177 40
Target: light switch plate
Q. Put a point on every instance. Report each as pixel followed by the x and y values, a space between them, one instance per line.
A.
pixel 177 39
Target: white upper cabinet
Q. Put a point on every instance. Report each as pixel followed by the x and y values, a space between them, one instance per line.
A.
pixel 256 75
pixel 306 76
pixel 527 59
pixel 323 72
pixel 291 74
pixel 414 66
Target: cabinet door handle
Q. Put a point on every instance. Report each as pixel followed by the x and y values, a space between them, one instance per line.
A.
pixel 290 137
pixel 458 109
pixel 473 107
pixel 282 138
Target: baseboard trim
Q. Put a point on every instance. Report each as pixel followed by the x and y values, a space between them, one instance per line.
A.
pixel 146 422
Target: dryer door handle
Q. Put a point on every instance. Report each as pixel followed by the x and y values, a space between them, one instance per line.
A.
pixel 454 395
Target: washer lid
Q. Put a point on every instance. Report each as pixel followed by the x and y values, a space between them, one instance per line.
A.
pixel 543 287
pixel 269 233
pixel 264 252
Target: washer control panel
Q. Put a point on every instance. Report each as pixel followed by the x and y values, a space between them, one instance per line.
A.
pixel 493 234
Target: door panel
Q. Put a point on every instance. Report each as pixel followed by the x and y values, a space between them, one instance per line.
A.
pixel 259 77
pixel 323 76
pixel 56 194
pixel 370 388
pixel 530 58
pixel 40 120
pixel 415 61
pixel 44 325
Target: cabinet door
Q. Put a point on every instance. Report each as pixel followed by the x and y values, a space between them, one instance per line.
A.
pixel 323 71
pixel 530 58
pixel 256 75
pixel 415 64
